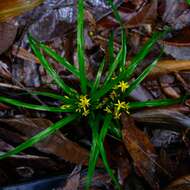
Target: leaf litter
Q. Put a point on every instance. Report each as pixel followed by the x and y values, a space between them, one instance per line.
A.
pixel 145 137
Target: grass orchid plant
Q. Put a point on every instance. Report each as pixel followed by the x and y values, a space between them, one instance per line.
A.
pixel 101 101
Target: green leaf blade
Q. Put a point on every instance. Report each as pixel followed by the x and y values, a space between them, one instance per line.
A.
pixel 157 103
pixel 60 59
pixel 94 152
pixel 124 48
pixel 141 77
pixel 80 46
pixel 32 106
pixel 49 68
pixel 113 66
pixel 143 52
pixel 98 77
pixel 43 134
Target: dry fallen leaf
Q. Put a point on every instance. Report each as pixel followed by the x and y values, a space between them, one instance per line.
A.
pixel 182 183
pixel 141 150
pixel 56 144
pixel 73 180
pixel 8 31
pixel 12 8
pixel 170 66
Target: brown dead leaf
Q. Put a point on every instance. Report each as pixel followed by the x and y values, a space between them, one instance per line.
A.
pixel 146 15
pixel 141 151
pixel 170 66
pixel 8 33
pixel 26 167
pixel 12 8
pixel 73 181
pixel 24 54
pixel 56 144
pixel 182 183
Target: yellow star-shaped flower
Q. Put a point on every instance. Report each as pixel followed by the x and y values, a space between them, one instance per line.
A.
pixel 65 106
pixel 120 105
pixel 117 115
pixel 107 109
pixel 127 108
pixel 113 95
pixel 123 85
pixel 85 112
pixel 83 105
pixel 84 101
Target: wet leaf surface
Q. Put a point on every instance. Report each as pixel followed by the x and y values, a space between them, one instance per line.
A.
pixel 154 150
pixel 8 31
pixel 57 144
pixel 180 184
pixel 141 150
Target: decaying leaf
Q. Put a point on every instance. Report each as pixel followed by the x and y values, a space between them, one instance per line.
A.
pixel 8 33
pixel 73 180
pixel 182 183
pixel 169 119
pixel 170 66
pixel 12 8
pixel 56 144
pixel 141 150
pixel 24 54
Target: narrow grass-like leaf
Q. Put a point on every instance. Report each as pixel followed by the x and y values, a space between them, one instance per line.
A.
pixel 98 77
pixel 96 139
pixel 156 103
pixel 94 123
pixel 115 132
pixel 115 12
pixel 124 49
pixel 143 52
pixel 102 135
pixel 64 99
pixel 105 127
pixel 56 56
pixel 51 95
pixel 32 106
pixel 40 136
pixel 120 59
pixel 126 73
pixel 106 164
pixel 60 59
pixel 141 77
pixel 80 45
pixel 106 88
pixel 113 66
pixel 188 2
pixel 50 69
pixel 111 47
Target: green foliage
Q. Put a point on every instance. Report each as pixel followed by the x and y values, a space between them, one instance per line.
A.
pixel 80 46
pixel 188 2
pixel 107 96
pixel 35 139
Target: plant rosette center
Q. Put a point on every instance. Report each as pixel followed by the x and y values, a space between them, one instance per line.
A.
pixel 113 103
